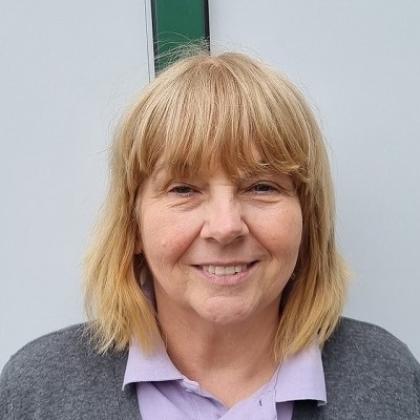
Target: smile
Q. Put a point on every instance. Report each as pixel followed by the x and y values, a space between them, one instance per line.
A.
pixel 226 274
pixel 220 270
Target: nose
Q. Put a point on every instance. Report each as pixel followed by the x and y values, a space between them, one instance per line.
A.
pixel 224 221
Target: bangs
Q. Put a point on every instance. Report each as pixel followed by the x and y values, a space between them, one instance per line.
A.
pixel 217 115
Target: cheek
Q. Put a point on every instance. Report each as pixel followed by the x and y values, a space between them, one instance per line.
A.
pixel 165 239
pixel 294 228
pixel 281 231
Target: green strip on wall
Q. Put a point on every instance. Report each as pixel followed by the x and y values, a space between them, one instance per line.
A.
pixel 177 22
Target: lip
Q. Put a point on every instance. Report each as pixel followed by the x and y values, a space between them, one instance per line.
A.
pixel 229 280
pixel 227 264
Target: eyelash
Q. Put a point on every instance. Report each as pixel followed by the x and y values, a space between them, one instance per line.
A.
pixel 273 189
pixel 179 187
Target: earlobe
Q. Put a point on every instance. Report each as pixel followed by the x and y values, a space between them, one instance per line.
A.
pixel 138 248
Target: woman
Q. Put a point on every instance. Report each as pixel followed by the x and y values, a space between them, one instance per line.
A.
pixel 214 284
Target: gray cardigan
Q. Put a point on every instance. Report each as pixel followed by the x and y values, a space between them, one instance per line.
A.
pixel 369 374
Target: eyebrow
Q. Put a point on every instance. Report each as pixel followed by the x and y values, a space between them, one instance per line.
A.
pixel 158 170
pixel 261 168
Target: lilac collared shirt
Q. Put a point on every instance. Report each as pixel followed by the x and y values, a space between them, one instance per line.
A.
pixel 165 393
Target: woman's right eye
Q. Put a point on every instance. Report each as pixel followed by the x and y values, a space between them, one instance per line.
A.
pixel 182 190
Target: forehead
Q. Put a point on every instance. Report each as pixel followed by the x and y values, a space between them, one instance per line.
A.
pixel 238 157
pixel 167 169
pixel 162 175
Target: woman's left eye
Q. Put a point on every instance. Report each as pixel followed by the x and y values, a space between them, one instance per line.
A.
pixel 263 188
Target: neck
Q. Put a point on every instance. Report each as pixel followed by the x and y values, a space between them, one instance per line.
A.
pixel 206 352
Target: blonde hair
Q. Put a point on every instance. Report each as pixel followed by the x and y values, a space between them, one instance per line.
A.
pixel 201 110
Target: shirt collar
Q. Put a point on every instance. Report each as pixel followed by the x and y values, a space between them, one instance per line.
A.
pixel 300 377
pixel 149 368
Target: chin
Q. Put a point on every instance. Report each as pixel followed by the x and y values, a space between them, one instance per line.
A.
pixel 225 312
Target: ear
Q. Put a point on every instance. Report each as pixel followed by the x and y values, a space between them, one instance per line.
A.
pixel 138 248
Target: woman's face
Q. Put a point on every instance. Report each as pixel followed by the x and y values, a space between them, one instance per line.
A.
pixel 219 250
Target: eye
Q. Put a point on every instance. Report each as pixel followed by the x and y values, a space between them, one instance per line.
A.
pixel 263 188
pixel 182 190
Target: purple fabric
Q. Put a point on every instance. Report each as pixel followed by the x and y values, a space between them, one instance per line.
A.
pixel 164 393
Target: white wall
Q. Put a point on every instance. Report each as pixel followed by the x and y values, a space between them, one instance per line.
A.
pixel 358 62
pixel 67 70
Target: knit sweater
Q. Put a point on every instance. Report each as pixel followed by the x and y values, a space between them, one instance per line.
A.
pixel 369 374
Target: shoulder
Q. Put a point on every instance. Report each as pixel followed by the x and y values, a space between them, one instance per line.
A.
pixel 53 368
pixel 368 364
pixel 64 340
pixel 47 353
pixel 355 340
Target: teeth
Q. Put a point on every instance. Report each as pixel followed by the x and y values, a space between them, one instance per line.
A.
pixel 224 271
pixel 229 270
pixel 219 271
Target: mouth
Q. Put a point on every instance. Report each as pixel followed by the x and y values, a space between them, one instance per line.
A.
pixel 231 274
